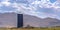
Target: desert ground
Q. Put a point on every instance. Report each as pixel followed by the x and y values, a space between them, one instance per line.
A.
pixel 32 28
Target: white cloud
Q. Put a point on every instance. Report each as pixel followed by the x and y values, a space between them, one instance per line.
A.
pixel 0 5
pixel 6 3
pixel 32 7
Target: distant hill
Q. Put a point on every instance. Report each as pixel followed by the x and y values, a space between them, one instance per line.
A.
pixel 8 20
pixel 39 22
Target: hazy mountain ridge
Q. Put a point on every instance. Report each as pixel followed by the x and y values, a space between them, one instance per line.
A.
pixel 8 19
pixel 27 20
pixel 39 22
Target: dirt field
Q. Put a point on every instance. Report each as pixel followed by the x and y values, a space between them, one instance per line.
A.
pixel 52 28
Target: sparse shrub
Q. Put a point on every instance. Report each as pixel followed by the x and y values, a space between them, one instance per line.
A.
pixel 44 27
pixel 28 26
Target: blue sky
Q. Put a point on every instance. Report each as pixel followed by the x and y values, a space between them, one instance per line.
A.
pixel 39 8
pixel 52 1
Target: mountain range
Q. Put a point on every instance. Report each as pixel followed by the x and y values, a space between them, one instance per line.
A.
pixel 10 20
pixel 40 22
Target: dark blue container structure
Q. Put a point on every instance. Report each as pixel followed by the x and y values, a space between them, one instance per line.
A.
pixel 20 20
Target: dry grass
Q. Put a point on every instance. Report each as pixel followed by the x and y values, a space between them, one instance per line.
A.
pixel 50 28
